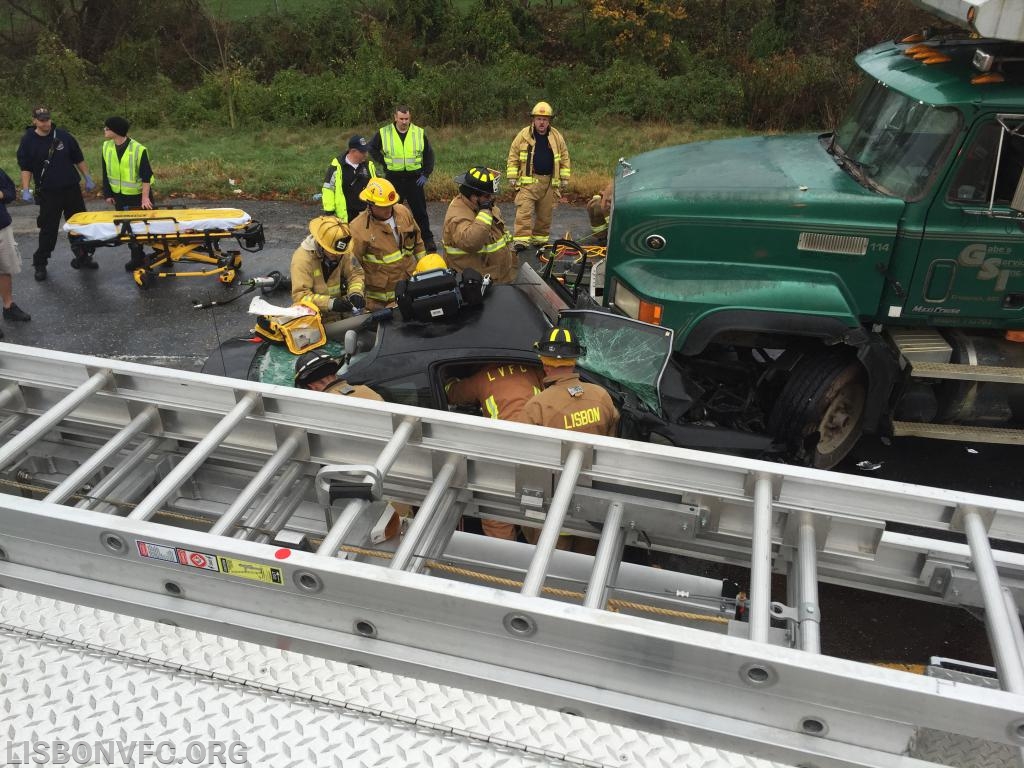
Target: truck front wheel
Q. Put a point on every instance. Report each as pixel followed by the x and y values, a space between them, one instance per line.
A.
pixel 820 411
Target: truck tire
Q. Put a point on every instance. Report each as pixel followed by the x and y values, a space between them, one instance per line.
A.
pixel 820 411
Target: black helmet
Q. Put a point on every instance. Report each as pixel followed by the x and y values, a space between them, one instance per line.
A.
pixel 478 179
pixel 313 366
pixel 559 344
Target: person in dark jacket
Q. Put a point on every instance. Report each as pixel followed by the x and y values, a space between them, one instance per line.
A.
pixel 10 259
pixel 52 159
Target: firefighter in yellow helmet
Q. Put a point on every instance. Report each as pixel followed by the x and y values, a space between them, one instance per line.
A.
pixel 387 242
pixel 324 270
pixel 474 232
pixel 539 168
pixel 567 402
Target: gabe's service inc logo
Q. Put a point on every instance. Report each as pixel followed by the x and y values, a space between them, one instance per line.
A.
pixel 125 753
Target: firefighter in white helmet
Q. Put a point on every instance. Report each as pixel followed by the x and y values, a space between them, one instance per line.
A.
pixel 539 168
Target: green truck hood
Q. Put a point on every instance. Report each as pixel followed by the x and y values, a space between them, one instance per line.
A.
pixel 785 178
pixel 767 224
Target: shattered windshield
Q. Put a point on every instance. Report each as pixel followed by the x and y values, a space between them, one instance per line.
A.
pixel 627 351
pixel 895 143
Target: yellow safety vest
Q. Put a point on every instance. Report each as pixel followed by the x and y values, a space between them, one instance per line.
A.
pixel 123 173
pixel 333 195
pixel 402 155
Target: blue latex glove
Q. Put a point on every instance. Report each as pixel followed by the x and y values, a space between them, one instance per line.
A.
pixel 26 195
pixel 422 180
pixel 90 185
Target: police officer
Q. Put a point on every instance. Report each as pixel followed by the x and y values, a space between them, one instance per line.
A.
pixel 567 402
pixel 346 177
pixel 318 371
pixel 403 149
pixel 324 269
pixel 474 232
pixel 502 392
pixel 387 242
pixel 50 157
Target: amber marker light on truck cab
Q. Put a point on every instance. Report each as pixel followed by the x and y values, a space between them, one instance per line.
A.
pixel 633 306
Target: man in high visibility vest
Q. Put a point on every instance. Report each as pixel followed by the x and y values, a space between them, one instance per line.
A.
pixel 538 167
pixel 346 177
pixel 386 241
pixel 127 176
pixel 402 149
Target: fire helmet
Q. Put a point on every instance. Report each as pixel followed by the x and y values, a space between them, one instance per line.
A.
pixel 379 192
pixel 331 234
pixel 542 109
pixel 479 179
pixel 313 366
pixel 429 263
pixel 559 344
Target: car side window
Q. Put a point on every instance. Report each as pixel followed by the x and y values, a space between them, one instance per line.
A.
pixel 977 172
pixel 407 390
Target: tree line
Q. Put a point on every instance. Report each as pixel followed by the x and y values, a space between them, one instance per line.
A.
pixel 762 64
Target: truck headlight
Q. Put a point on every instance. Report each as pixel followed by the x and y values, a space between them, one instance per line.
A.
pixel 633 306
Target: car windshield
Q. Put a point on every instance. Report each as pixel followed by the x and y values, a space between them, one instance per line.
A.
pixel 629 352
pixel 893 142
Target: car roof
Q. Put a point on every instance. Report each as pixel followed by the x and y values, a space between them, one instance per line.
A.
pixel 504 327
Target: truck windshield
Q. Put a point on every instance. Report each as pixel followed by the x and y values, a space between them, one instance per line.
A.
pixel 895 143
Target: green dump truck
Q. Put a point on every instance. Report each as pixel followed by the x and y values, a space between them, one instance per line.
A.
pixel 867 280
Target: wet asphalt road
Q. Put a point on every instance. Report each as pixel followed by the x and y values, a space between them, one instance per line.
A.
pixel 103 313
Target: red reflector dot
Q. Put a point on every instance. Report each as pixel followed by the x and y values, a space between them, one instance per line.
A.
pixel 283 554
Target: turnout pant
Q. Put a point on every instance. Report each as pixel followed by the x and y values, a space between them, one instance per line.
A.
pixel 412 195
pixel 534 205
pixel 54 203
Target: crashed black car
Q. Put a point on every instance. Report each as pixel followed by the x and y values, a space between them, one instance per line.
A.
pixel 409 362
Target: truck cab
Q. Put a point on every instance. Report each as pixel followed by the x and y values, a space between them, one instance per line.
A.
pixel 870 279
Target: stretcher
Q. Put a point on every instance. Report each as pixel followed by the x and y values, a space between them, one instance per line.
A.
pixel 172 235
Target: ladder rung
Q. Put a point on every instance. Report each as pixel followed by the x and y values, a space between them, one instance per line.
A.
pixel 960 432
pixel 989 373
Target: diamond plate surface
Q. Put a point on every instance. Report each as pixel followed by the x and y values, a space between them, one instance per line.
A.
pixel 963 752
pixel 102 674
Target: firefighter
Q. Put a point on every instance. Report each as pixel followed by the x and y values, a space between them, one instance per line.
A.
pixel 346 177
pixel 501 391
pixel 538 167
pixel 318 371
pixel 474 232
pixel 324 269
pixel 387 242
pixel 599 209
pixel 567 402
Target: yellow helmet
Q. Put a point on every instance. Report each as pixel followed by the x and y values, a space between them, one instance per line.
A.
pixel 542 109
pixel 379 192
pixel 331 234
pixel 430 262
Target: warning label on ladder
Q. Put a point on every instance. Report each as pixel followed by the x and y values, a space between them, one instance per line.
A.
pixel 157 551
pixel 253 571
pixel 197 559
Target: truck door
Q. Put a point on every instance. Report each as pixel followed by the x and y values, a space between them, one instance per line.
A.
pixel 971 265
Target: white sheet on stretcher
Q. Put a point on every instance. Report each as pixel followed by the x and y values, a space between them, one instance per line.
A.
pixel 161 226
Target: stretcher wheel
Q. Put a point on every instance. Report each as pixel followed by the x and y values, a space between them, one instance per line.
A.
pixel 143 278
pixel 227 276
pixel 236 261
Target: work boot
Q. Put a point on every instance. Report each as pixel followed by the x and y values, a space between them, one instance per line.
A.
pixel 431 247
pixel 84 261
pixel 40 272
pixel 520 246
pixel 16 313
pixel 137 261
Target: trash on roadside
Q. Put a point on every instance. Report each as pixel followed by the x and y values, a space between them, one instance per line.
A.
pixel 972 450
pixel 869 466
